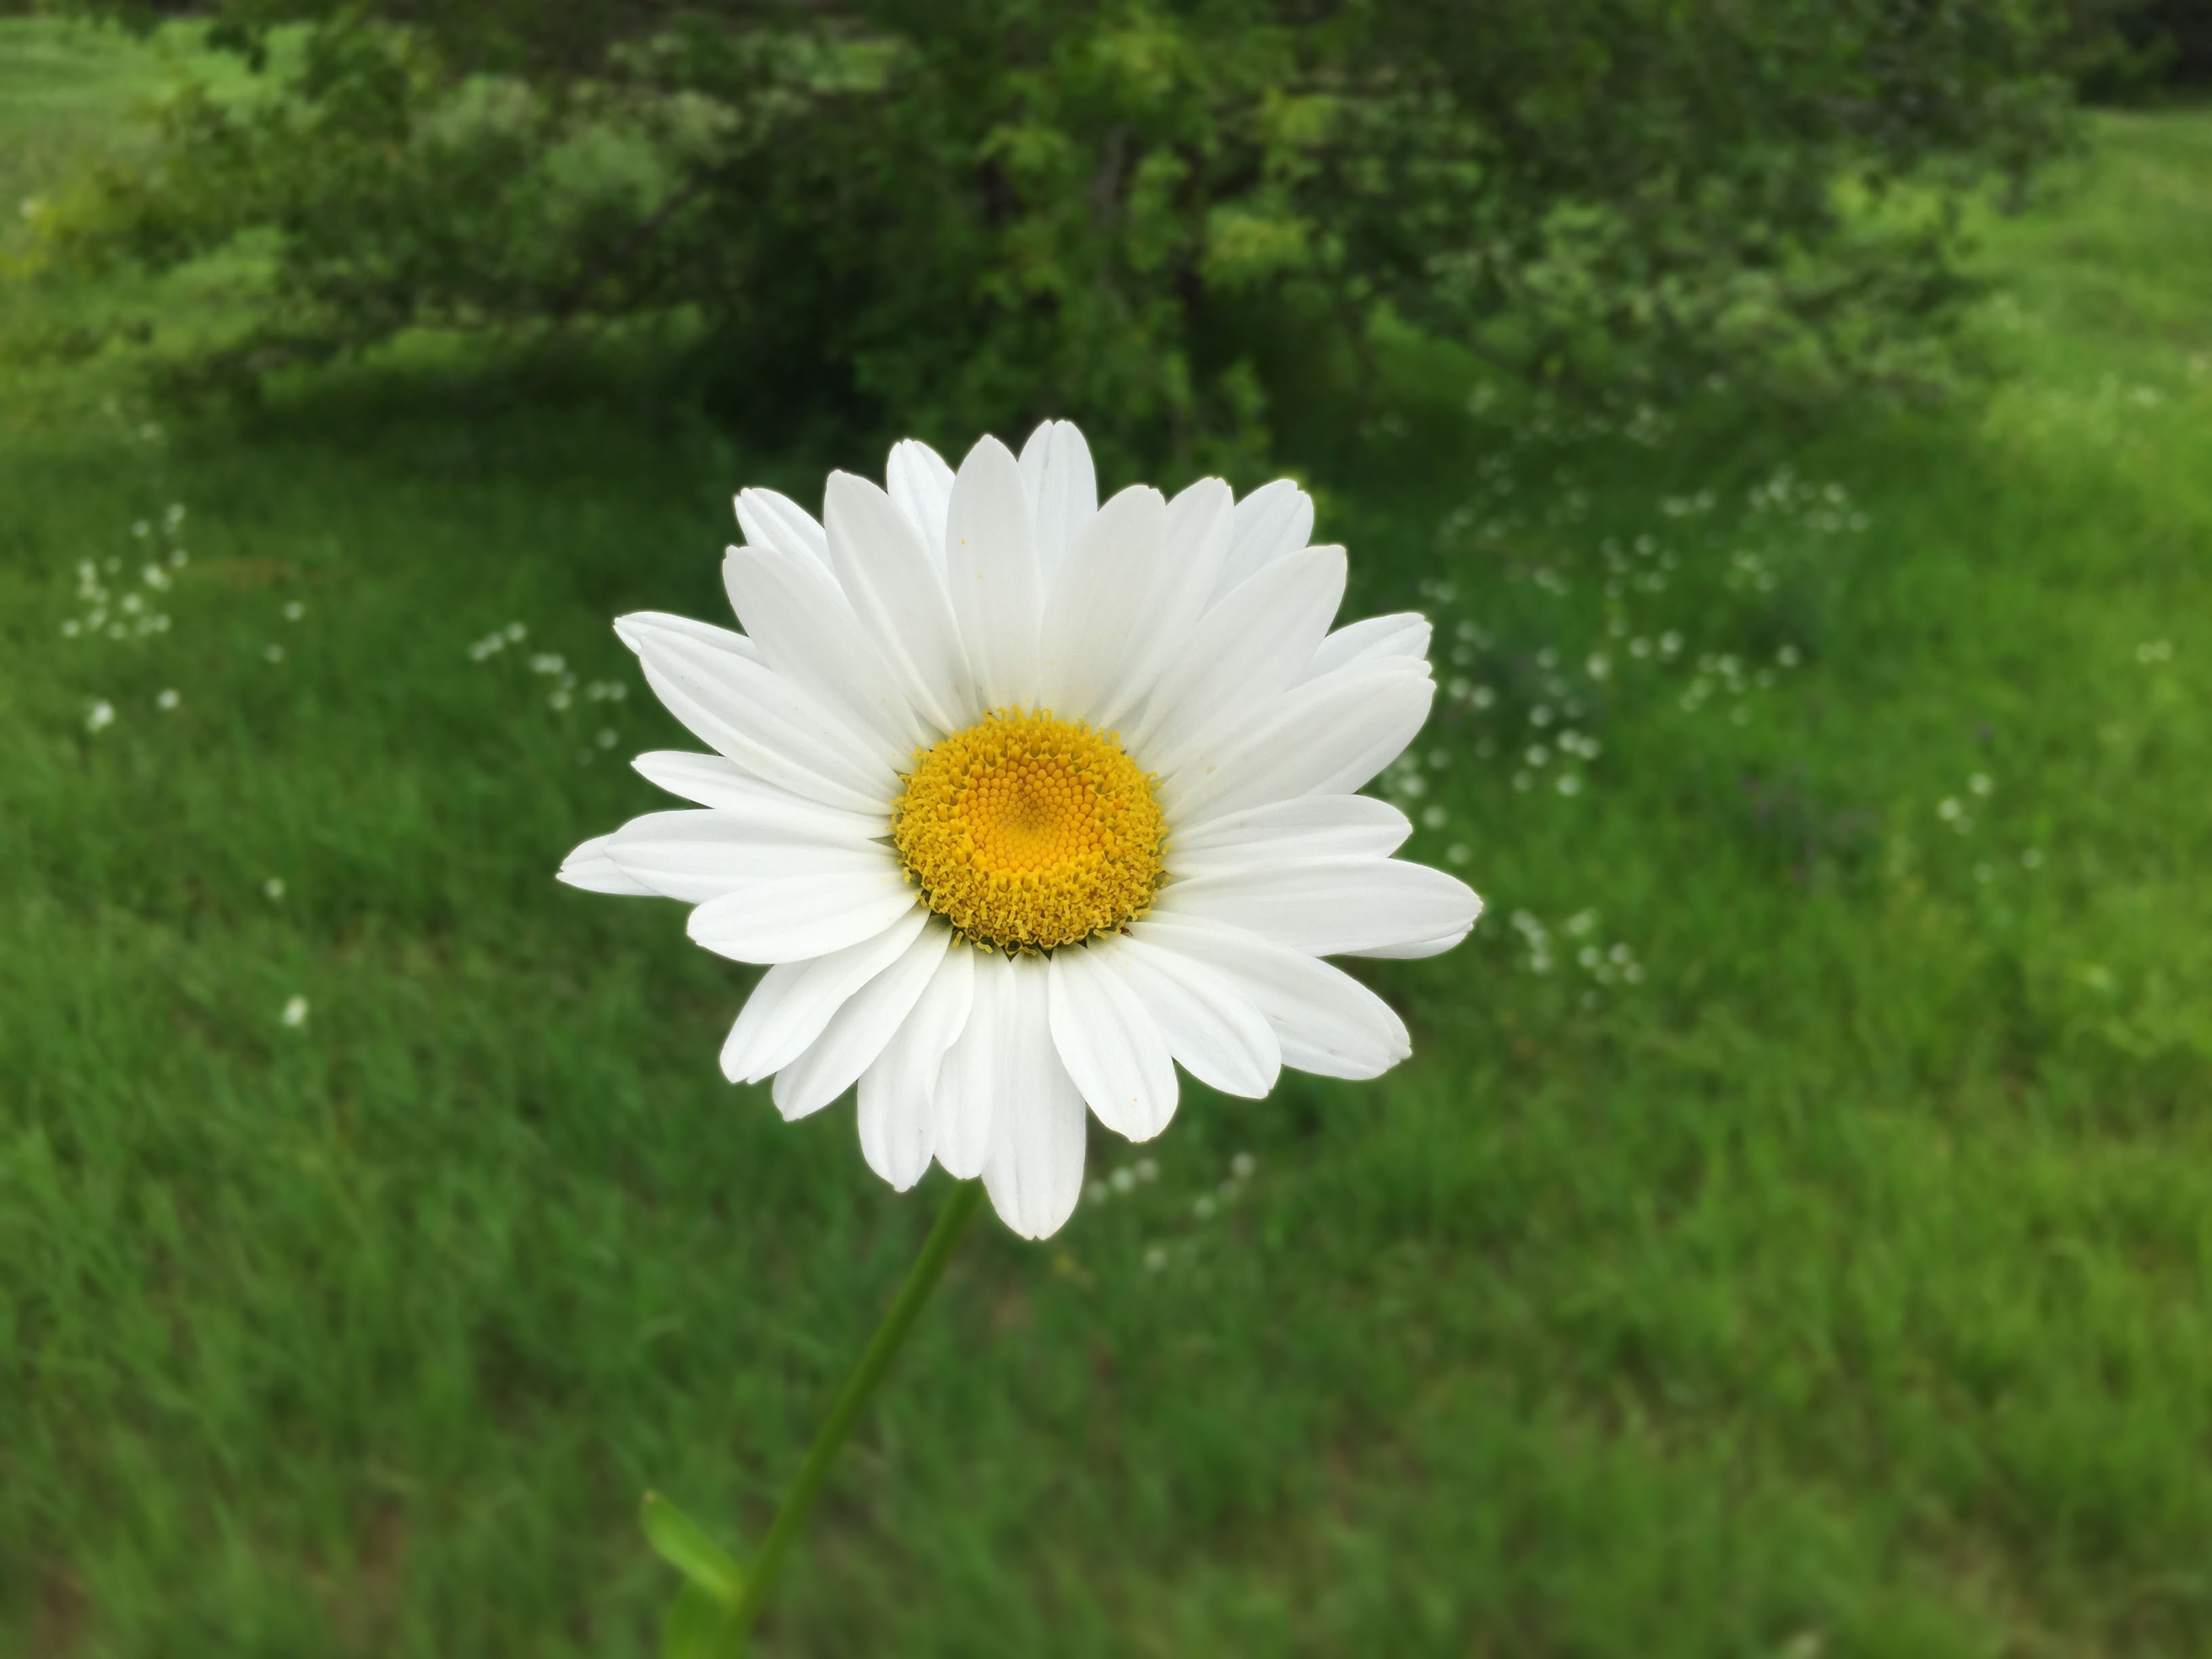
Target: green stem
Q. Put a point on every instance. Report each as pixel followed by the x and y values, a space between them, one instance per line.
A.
pixel 791 1515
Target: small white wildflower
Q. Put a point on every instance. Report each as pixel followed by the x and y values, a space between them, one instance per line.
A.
pixel 559 700
pixel 1980 783
pixel 1458 853
pixel 547 662
pixel 273 652
pixel 1482 697
pixel 155 577
pixel 1539 716
pixel 141 529
pixel 1097 1192
pixel 173 519
pixel 1537 754
pixel 516 632
pixel 295 1012
pixel 609 737
pixel 1669 643
pixel 1598 667
pixel 72 628
pixel 1148 1169
pixel 1435 819
pixel 273 890
pixel 1156 1258
pixel 1949 808
pixel 1522 781
pixel 294 610
pixel 1123 1181
pixel 1579 923
pixel 1204 1208
pixel 179 558
pixel 1569 784
pixel 100 716
pixel 1787 656
pixel 1242 1164
pixel 165 701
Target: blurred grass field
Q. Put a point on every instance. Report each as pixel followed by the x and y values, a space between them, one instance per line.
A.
pixel 1790 1237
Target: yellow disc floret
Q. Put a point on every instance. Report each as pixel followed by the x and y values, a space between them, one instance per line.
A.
pixel 1026 832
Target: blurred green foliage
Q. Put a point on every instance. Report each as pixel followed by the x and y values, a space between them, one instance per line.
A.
pixel 1175 222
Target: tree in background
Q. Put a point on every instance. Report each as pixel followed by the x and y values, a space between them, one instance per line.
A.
pixel 1167 219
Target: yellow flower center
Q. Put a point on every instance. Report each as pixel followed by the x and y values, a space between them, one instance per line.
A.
pixel 1025 832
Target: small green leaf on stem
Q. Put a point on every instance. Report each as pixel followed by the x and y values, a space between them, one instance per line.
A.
pixel 684 1544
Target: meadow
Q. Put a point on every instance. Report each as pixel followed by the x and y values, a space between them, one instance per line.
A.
pixel 1789 1237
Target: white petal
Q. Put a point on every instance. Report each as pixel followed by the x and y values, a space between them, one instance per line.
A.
pixel 772 520
pixel 713 780
pixel 1104 593
pixel 1309 740
pixel 1194 544
pixel 700 855
pixel 990 554
pixel 1110 1044
pixel 1210 1025
pixel 790 917
pixel 794 611
pixel 1331 906
pixel 899 594
pixel 897 1113
pixel 1274 519
pixel 1246 649
pixel 1035 1173
pixel 1403 634
pixel 859 1029
pixel 1411 949
pixel 972 1083
pixel 794 1000
pixel 590 868
pixel 1289 832
pixel 634 628
pixel 1062 489
pixel 761 721
pixel 919 484
pixel 1327 1022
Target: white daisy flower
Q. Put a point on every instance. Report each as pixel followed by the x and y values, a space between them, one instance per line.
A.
pixel 1023 799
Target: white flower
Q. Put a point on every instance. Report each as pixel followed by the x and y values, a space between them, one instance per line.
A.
pixel 1023 800
pixel 295 1012
pixel 100 716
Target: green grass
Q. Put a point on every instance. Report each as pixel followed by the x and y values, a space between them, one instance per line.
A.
pixel 1835 1288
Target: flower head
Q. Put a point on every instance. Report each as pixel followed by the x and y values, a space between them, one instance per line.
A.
pixel 1023 800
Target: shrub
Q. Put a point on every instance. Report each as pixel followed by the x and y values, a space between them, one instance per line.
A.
pixel 1167 219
